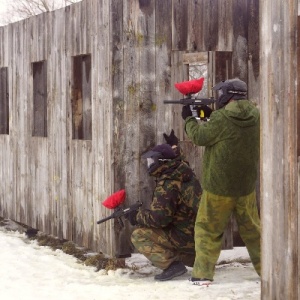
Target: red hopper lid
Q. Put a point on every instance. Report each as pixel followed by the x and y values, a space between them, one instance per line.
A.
pixel 115 199
pixel 190 87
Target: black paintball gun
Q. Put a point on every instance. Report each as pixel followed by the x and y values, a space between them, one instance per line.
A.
pixel 113 202
pixel 120 212
pixel 199 106
pixel 192 101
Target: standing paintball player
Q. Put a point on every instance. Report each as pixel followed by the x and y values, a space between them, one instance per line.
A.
pixel 165 232
pixel 230 164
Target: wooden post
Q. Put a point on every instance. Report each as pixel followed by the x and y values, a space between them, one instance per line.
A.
pixel 279 179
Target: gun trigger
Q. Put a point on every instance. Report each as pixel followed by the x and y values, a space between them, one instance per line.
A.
pixel 202 114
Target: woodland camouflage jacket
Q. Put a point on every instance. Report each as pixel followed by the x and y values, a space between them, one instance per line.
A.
pixel 231 157
pixel 175 202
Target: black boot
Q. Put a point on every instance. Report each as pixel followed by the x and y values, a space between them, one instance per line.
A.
pixel 176 268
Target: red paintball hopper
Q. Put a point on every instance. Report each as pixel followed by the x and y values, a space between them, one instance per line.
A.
pixel 115 199
pixel 190 87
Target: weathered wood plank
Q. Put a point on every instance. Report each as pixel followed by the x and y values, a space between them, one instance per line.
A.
pixel 7 177
pixel 103 184
pixel 179 72
pixel 37 35
pixel 210 23
pixel 38 210
pixel 196 27
pixel 6 156
pixel 298 93
pixel 82 171
pixel 9 146
pixel 132 88
pixel 117 69
pixel 163 84
pixel 253 50
pixel 148 121
pixel 279 195
pixel 58 136
pixel 180 25
pixel 4 53
pixel 225 29
pixel 22 73
pixel 240 33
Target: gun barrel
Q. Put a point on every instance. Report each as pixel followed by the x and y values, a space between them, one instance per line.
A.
pixel 119 212
pixel 104 220
pixel 173 102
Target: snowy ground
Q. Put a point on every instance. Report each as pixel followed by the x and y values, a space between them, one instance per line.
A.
pixel 30 272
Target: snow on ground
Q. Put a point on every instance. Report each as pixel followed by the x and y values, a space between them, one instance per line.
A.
pixel 30 272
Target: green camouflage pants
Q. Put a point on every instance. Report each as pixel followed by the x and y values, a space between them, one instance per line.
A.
pixel 156 246
pixel 212 219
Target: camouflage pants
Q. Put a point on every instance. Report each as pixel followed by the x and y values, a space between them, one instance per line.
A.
pixel 212 218
pixel 156 246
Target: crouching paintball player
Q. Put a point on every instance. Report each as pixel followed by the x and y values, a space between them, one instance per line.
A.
pixel 165 232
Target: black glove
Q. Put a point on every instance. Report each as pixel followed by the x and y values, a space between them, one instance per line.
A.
pixel 204 112
pixel 131 217
pixel 171 139
pixel 186 112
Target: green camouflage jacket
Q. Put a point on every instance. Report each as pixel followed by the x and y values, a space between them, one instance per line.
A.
pixel 231 157
pixel 175 202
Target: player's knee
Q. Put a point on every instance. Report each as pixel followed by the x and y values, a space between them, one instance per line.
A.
pixel 139 235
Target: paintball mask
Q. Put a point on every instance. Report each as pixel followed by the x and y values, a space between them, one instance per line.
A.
pixel 230 89
pixel 157 156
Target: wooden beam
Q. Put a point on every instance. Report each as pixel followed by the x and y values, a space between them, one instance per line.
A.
pixel 279 177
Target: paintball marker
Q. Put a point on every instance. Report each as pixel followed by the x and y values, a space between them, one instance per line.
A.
pixel 192 101
pixel 113 202
pixel 199 106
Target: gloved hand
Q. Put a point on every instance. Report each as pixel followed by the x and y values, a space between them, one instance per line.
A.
pixel 186 112
pixel 131 217
pixel 171 139
pixel 204 112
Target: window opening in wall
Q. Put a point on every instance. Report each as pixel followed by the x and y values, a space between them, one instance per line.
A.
pixel 196 71
pixel 197 64
pixel 39 71
pixel 4 101
pixel 82 98
pixel 214 66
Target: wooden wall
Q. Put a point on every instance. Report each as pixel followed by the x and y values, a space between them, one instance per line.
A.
pixel 56 183
pixel 280 160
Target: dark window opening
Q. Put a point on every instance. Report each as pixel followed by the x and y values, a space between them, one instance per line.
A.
pixel 214 66
pixel 82 98
pixel 39 71
pixel 4 102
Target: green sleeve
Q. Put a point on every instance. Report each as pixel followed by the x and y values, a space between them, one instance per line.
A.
pixel 204 133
